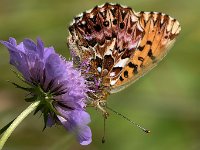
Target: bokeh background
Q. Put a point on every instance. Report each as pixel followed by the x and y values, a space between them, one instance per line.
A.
pixel 166 100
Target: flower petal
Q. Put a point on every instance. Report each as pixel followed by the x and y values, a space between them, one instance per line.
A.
pixel 54 66
pixel 48 51
pixel 76 121
pixel 13 41
pixel 40 48
pixel 17 58
pixel 85 135
pixel 29 45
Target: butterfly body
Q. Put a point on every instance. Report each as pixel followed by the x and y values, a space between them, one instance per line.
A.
pixel 114 46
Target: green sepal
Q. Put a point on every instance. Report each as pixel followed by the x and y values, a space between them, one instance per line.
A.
pixel 20 77
pixel 31 99
pixel 6 127
pixel 21 87
pixel 39 108
pixel 45 114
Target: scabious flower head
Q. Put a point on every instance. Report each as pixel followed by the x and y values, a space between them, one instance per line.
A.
pixel 53 81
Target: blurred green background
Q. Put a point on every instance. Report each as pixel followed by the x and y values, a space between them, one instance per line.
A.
pixel 166 100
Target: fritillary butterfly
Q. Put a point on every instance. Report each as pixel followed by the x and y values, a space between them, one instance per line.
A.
pixel 114 46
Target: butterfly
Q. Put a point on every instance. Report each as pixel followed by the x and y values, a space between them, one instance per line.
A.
pixel 113 46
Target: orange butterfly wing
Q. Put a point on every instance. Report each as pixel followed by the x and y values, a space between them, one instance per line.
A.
pixel 160 31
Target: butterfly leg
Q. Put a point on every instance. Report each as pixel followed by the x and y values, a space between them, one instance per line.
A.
pixel 101 106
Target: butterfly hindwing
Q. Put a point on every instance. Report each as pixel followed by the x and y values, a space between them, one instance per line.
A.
pixel 106 37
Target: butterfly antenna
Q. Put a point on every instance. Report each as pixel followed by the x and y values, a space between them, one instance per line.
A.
pixel 140 127
pixel 104 130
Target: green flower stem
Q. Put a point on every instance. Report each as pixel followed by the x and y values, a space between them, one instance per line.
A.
pixel 16 122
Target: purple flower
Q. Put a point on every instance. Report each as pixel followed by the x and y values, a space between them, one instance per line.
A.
pixel 53 81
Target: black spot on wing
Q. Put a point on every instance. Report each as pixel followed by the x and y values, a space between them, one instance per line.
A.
pixel 126 74
pixel 121 25
pixel 115 21
pixel 97 28
pixel 93 19
pixel 92 42
pixel 121 79
pixel 140 48
pixel 134 66
pixel 141 59
pixel 149 43
pixel 106 23
pixel 150 54
pixel 123 14
pixel 113 11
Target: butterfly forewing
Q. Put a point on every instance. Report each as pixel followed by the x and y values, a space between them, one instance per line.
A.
pixel 115 45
